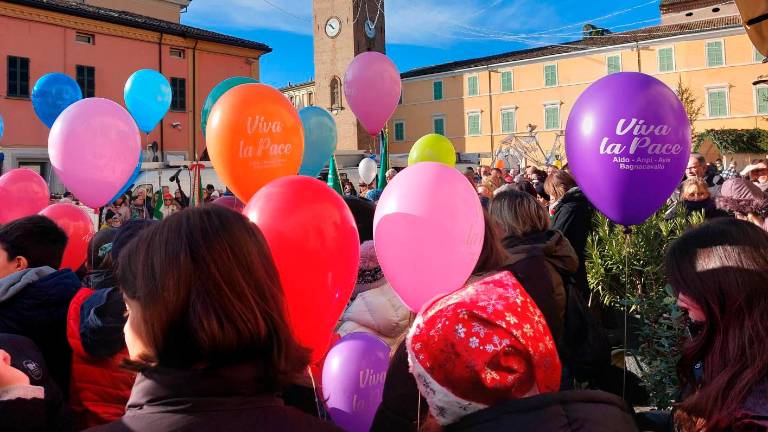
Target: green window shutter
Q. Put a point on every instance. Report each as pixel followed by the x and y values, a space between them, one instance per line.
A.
pixel 506 81
pixel 666 60
pixel 718 106
pixel 762 100
pixel 437 90
pixel 472 88
pixel 473 123
pixel 614 64
pixel 757 57
pixel 550 75
pixel 715 55
pixel 438 124
pixel 552 117
pixel 507 121
pixel 399 131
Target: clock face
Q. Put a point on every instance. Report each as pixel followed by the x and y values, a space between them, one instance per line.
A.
pixel 333 27
pixel 370 29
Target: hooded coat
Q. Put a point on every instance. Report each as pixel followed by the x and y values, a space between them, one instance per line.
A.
pixel 573 217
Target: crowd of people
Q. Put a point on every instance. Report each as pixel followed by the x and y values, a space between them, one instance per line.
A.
pixel 180 323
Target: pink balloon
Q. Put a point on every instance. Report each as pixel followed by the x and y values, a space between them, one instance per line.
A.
pixel 24 193
pixel 230 202
pixel 372 87
pixel 428 231
pixel 94 147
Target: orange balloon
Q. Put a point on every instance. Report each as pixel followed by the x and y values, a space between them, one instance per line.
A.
pixel 499 164
pixel 254 136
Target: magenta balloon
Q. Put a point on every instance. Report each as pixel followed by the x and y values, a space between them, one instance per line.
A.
pixel 628 141
pixel 428 230
pixel 94 147
pixel 230 202
pixel 353 380
pixel 24 193
pixel 372 87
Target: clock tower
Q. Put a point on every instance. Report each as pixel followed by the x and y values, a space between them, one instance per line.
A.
pixel 343 29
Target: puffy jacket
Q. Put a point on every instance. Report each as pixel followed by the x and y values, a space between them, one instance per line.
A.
pixel 569 411
pixel 99 389
pixel 573 217
pixel 34 303
pixel 538 260
pixel 378 311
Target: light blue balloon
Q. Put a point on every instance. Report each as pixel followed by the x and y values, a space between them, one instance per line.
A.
pixel 52 94
pixel 217 92
pixel 2 127
pixel 147 96
pixel 319 139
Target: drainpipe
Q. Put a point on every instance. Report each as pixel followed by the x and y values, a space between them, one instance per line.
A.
pixel 194 100
pixel 490 105
pixel 162 122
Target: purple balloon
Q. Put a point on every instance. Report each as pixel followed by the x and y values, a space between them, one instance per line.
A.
pixel 628 141
pixel 230 202
pixel 353 380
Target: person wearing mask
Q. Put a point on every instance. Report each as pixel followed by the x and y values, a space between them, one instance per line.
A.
pixel 757 173
pixel 34 296
pixel 718 274
pixel 572 215
pixel 166 208
pixel 495 366
pixel 141 206
pixel 696 198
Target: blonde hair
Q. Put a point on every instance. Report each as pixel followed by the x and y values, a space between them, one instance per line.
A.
pixel 558 183
pixel 518 213
pixel 696 182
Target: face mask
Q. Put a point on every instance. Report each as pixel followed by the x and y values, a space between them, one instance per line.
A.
pixel 693 206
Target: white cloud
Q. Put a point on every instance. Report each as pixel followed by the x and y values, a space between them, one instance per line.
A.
pixel 413 22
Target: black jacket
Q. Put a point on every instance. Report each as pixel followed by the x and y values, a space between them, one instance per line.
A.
pixel 38 310
pixel 573 217
pixel 569 411
pixel 224 399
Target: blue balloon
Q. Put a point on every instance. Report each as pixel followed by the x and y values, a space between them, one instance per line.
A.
pixel 147 96
pixel 52 94
pixel 130 181
pixel 319 139
pixel 2 127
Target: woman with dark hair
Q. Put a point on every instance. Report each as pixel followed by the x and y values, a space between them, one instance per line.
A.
pixel 572 215
pixel 718 273
pixel 209 338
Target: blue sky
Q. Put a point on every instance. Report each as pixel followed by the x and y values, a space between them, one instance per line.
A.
pixel 419 32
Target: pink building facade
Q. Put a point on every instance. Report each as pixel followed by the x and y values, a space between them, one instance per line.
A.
pixel 101 49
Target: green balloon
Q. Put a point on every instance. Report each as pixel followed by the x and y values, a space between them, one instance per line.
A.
pixel 217 92
pixel 433 148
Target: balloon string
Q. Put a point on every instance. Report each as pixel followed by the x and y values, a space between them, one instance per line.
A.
pixel 314 390
pixel 418 414
pixel 627 242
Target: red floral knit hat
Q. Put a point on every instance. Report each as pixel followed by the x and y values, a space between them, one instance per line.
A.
pixel 482 345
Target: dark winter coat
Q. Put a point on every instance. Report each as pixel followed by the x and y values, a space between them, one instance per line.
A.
pixel 537 261
pixel 34 303
pixel 102 316
pixel 401 398
pixel 569 411
pixel 225 399
pixel 573 217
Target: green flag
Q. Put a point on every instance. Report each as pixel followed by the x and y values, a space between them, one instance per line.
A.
pixel 157 213
pixel 333 176
pixel 384 165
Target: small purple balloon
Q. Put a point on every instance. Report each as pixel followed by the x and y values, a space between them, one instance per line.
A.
pixel 353 380
pixel 628 141
pixel 230 202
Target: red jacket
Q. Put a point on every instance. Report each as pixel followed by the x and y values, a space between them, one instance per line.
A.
pixel 99 389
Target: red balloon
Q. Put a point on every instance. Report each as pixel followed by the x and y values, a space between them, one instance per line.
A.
pixel 314 242
pixel 24 193
pixel 79 228
pixel 230 202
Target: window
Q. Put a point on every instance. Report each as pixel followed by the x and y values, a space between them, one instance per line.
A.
pixel 177 52
pixel 86 79
pixel 399 130
pixel 473 123
pixel 84 38
pixel 552 116
pixel 717 102
pixel 18 76
pixel 506 81
pixel 550 75
pixel 715 55
pixel 310 99
pixel 613 63
pixel 666 59
pixel 756 56
pixel 761 99
pixel 179 98
pixel 438 125
pixel 507 120
pixel 472 88
pixel 437 90
pixel 335 92
pixel 400 101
